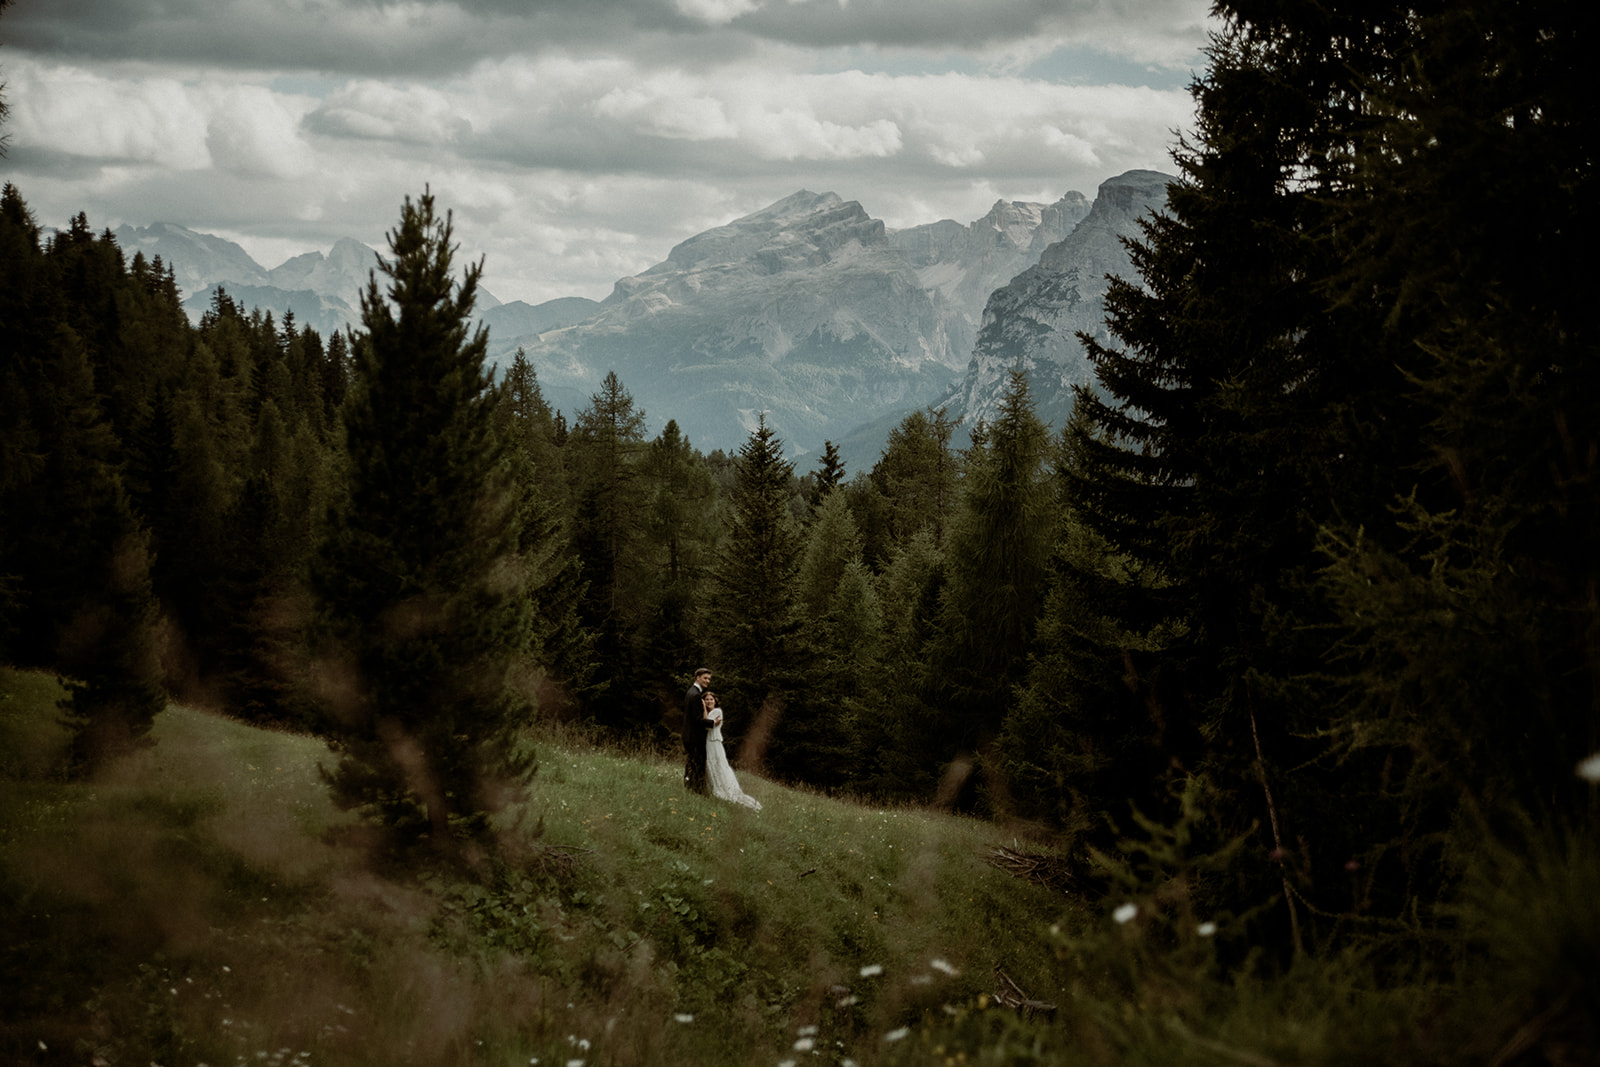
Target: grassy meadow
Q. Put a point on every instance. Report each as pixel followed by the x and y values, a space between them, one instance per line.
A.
pixel 205 903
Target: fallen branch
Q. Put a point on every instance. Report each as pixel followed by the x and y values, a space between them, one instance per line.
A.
pixel 1010 995
pixel 1052 872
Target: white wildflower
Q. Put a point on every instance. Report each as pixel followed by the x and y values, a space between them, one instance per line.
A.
pixel 807 1031
pixel 805 1044
pixel 1125 912
pixel 684 1017
pixel 896 1035
pixel 872 970
pixel 846 1001
pixel 1589 769
pixel 1206 929
pixel 944 968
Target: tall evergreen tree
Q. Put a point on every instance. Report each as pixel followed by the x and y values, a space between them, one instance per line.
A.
pixel 423 596
pixel 838 643
pixel 559 645
pixel 606 451
pixel 755 572
pixel 917 476
pixel 995 573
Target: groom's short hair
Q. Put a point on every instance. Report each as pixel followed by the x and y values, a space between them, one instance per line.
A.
pixel 698 671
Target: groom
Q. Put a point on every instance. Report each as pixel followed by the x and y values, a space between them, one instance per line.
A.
pixel 695 728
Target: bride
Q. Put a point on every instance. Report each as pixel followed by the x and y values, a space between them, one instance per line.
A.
pixel 718 774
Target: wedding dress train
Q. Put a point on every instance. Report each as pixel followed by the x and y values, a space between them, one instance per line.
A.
pixel 720 775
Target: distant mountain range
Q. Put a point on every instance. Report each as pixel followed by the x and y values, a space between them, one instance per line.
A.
pixel 809 310
pixel 323 291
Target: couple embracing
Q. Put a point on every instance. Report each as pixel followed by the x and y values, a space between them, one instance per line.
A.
pixel 706 770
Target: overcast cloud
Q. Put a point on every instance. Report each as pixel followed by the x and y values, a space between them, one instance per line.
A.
pixel 576 141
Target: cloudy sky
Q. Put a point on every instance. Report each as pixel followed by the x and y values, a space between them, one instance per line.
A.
pixel 576 141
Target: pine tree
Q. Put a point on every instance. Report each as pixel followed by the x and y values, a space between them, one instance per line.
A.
pixel 829 475
pixel 917 477
pixel 838 641
pixel 423 596
pixel 606 452
pixel 755 572
pixel 995 573
pixel 558 643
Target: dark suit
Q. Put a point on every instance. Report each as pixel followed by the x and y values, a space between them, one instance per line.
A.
pixel 695 729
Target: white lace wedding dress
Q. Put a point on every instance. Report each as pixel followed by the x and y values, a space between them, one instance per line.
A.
pixel 720 775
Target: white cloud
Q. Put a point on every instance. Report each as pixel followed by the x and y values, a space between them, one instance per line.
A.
pixel 80 113
pixel 255 133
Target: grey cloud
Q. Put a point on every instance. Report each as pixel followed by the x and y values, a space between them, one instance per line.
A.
pixel 353 36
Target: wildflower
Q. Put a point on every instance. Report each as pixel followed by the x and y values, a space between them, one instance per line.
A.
pixel 1125 912
pixel 896 1035
pixel 807 1031
pixel 846 1001
pixel 944 968
pixel 872 970
pixel 684 1017
pixel 1589 769
pixel 1206 929
pixel 786 1063
pixel 805 1044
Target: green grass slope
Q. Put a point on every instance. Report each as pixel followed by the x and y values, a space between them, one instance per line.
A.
pixel 204 903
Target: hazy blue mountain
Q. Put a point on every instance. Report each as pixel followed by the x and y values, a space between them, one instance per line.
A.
pixel 1037 315
pixel 323 312
pixel 518 318
pixel 198 260
pixel 323 291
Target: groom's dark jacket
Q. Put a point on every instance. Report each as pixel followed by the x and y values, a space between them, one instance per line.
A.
pixel 695 727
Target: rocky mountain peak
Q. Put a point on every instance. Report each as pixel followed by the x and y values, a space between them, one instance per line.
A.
pixel 801 230
pixel 1035 318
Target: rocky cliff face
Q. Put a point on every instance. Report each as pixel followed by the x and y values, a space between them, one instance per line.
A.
pixel 1035 318
pixel 967 263
pixel 803 310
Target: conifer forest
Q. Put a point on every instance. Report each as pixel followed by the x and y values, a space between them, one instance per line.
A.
pixel 1298 619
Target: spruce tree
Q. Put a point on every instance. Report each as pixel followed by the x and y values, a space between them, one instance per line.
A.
pixel 995 570
pixel 753 625
pixel 560 647
pixel 606 451
pixel 422 594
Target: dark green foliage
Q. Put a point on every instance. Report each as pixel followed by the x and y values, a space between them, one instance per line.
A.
pixel 752 624
pixel 605 453
pixel 75 560
pixel 559 644
pixel 916 479
pixel 838 640
pixel 1335 485
pixel 995 566
pixel 421 588
pixel 829 475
